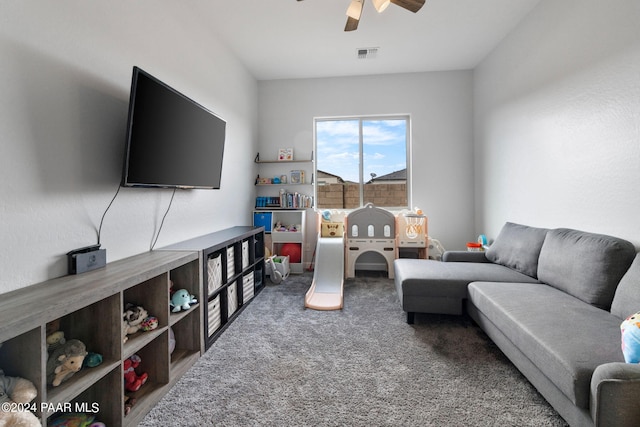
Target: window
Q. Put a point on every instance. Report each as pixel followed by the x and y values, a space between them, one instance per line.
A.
pixel 362 160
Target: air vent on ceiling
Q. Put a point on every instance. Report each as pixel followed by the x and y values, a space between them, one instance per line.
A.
pixel 367 52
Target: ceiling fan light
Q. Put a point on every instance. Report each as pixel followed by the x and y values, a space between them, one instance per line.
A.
pixel 355 9
pixel 381 5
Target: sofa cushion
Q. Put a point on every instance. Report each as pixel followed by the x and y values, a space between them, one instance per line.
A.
pixel 435 278
pixel 586 265
pixel 627 297
pixel 421 284
pixel 518 247
pixel 564 337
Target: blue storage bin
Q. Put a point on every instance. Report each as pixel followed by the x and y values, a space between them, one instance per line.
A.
pixel 262 219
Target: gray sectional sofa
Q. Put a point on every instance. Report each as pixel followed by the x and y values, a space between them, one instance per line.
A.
pixel 552 301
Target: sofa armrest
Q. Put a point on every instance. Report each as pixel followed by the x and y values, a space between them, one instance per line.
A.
pixel 464 256
pixel 615 388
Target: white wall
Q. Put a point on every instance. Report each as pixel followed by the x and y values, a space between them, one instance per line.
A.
pixel 440 105
pixel 557 121
pixel 64 78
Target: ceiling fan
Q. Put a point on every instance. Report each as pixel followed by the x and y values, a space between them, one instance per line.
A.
pixel 355 9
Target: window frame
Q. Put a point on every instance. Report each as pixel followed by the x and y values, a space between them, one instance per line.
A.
pixel 361 119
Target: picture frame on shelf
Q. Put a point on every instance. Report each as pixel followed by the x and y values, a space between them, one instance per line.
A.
pixel 297 177
pixel 285 154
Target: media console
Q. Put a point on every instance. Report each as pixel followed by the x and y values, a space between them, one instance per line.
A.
pixel 232 270
pixel 89 307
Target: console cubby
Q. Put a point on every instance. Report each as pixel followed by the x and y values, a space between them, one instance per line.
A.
pixel 89 308
pixel 106 408
pixel 151 294
pixel 96 325
pixel 22 356
pixel 155 363
pixel 102 316
pixel 187 340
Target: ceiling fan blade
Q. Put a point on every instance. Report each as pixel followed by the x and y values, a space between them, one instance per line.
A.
pixel 352 24
pixel 410 5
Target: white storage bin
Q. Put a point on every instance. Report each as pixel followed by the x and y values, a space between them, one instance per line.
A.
pixel 232 299
pixel 247 287
pixel 245 254
pixel 231 263
pixel 213 315
pixel 214 273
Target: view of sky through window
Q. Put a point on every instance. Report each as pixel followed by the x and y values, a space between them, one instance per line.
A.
pixel 384 147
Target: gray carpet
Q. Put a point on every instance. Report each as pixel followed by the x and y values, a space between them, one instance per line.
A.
pixel 281 365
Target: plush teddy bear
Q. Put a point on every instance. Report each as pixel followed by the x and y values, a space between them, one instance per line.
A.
pixel 136 318
pixel 17 390
pixel 133 381
pixel 182 300
pixel 65 361
pixel 630 334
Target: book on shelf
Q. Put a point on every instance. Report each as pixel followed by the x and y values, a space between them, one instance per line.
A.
pixel 295 200
pixel 297 177
pixel 285 200
pixel 268 202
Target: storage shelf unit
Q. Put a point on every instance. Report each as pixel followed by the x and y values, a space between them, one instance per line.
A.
pixel 269 218
pixel 303 192
pixel 233 273
pixel 89 307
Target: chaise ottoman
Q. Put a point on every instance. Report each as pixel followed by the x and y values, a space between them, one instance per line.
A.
pixel 429 286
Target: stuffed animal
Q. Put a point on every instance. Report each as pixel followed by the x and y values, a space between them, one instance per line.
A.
pixel 65 361
pixel 75 420
pixel 92 360
pixel 128 404
pixel 133 381
pixel 172 341
pixel 182 300
pixel 53 326
pixel 630 334
pixel 21 391
pixel 125 328
pixel 55 337
pixel 55 340
pixel 136 318
pixel 134 315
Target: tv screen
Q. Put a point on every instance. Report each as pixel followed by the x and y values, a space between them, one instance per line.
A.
pixel 172 141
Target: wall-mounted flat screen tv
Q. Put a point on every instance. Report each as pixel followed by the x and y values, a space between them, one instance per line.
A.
pixel 172 141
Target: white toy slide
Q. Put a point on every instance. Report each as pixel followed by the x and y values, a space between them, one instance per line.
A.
pixel 326 291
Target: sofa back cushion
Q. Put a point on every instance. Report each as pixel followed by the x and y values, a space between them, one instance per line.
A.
pixel 518 247
pixel 586 265
pixel 627 297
